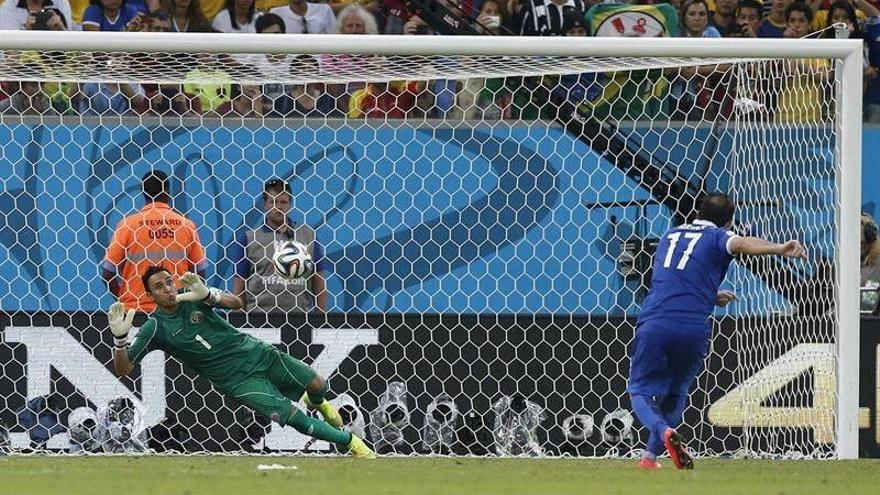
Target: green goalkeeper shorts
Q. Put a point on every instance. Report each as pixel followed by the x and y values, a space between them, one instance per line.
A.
pixel 273 388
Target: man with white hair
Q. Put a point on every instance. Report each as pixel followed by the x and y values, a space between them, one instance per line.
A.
pixel 355 19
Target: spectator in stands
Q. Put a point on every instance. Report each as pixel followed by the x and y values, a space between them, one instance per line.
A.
pixel 724 17
pixel 156 235
pixel 798 20
pixel 415 25
pixel 312 99
pixel 575 24
pixel 24 97
pixel 490 18
pixel 304 17
pixel 576 88
pixel 48 19
pixel 247 100
pixel 869 31
pixel 355 19
pixel 802 95
pixel 239 16
pixel 256 282
pixel 384 100
pixel 821 9
pixel 694 20
pixel 185 16
pixel 861 17
pixel 110 15
pixel 280 100
pixel 480 98
pixel 396 15
pixel 869 270
pixel 17 15
pixel 35 98
pixel 698 90
pixel 156 22
pixel 269 24
pixel 112 98
pixel 273 96
pixel 748 19
pixel 774 25
pixel 58 98
pixel 842 11
pixel 166 99
pixel 214 98
pixel 440 98
pixel 545 17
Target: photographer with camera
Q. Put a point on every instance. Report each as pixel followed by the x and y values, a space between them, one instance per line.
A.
pixel 35 15
pixel 48 19
pixel 50 97
pixel 869 268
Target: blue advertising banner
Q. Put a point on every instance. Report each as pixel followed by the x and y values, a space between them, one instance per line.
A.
pixel 497 219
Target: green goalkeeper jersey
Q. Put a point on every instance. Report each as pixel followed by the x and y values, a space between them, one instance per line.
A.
pixel 201 339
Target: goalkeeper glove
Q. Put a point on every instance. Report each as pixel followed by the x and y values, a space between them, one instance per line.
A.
pixel 197 291
pixel 120 324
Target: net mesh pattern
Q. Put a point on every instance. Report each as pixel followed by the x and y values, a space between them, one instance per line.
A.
pixel 485 228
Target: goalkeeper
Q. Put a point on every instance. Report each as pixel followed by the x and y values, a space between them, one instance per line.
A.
pixel 238 365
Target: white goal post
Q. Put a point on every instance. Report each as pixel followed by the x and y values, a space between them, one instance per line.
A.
pixel 422 58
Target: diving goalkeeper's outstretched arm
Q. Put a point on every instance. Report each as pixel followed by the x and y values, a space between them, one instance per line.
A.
pixel 164 292
pixel 119 320
pixel 198 292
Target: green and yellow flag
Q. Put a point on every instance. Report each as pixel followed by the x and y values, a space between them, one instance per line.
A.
pixel 632 20
pixel 630 94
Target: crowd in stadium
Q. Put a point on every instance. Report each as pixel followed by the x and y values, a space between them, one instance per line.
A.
pixel 488 99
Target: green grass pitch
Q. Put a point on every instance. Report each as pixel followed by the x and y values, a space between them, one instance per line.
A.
pixel 239 475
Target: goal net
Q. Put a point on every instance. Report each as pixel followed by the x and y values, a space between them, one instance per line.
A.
pixel 486 220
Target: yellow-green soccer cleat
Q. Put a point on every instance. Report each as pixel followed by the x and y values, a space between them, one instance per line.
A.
pixel 359 449
pixel 330 414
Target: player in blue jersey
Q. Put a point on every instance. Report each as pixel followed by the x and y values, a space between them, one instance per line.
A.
pixel 673 331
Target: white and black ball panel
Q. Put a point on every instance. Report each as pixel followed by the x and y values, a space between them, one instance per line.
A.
pixel 293 260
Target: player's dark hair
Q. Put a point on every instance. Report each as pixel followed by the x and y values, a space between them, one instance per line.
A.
pixel 152 270
pixel 717 208
pixel 156 186
pixel 275 186
pixel 266 21
pixel 800 7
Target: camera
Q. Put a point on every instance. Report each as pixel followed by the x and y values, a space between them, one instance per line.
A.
pixel 42 18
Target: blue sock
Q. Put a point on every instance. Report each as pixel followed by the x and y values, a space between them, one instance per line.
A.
pixel 673 407
pixel 652 418
pixel 656 445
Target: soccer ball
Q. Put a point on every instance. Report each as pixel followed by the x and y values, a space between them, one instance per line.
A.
pixel 293 261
